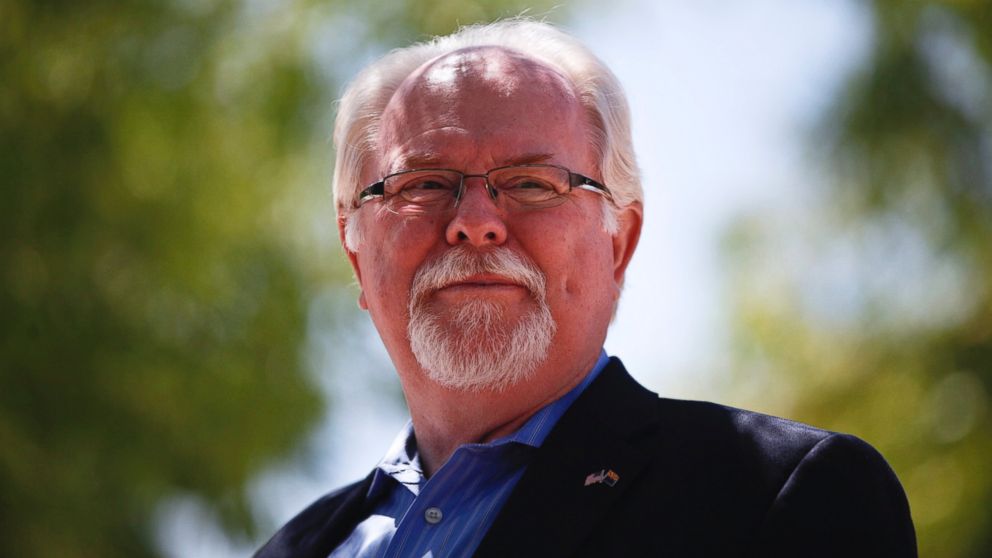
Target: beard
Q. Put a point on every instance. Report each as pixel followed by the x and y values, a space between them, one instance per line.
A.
pixel 472 347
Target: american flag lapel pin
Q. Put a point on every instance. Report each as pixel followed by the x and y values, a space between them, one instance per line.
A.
pixel 603 476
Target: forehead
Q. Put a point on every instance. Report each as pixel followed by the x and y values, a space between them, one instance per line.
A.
pixel 484 104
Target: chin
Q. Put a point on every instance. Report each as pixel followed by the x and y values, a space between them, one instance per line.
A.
pixel 476 348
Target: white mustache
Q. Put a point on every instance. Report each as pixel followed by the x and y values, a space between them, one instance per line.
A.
pixel 461 262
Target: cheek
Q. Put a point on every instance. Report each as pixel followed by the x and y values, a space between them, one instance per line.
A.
pixel 579 271
pixel 591 276
pixel 584 257
pixel 394 251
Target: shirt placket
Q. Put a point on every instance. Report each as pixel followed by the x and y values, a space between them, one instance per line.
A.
pixel 430 513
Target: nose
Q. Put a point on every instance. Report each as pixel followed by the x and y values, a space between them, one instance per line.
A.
pixel 478 221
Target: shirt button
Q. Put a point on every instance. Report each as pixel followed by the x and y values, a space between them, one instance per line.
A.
pixel 433 515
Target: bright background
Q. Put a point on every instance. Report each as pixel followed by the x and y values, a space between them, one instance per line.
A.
pixel 181 342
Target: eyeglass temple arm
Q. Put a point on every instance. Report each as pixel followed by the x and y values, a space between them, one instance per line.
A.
pixel 373 191
pixel 586 183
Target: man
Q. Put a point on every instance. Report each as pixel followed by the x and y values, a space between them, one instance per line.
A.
pixel 489 203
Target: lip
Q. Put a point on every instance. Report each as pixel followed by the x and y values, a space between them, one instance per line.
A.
pixel 489 283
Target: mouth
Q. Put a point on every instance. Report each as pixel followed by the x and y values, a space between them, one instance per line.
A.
pixel 482 283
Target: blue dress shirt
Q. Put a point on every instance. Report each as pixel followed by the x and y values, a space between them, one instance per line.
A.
pixel 449 514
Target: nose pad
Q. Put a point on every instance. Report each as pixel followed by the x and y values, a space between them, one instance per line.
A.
pixel 476 221
pixel 492 192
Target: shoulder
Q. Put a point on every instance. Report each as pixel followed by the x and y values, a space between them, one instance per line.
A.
pixel 710 438
pixel 788 482
pixel 700 433
pixel 841 491
pixel 768 451
pixel 725 477
pixel 713 432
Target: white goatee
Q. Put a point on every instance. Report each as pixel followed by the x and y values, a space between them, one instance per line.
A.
pixel 472 347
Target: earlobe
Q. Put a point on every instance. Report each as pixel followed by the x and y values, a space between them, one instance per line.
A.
pixel 626 238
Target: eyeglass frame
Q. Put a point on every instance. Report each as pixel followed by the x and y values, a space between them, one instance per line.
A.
pixel 575 180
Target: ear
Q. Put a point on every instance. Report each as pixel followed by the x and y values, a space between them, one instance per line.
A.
pixel 353 259
pixel 625 240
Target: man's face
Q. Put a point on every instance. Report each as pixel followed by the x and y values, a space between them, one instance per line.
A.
pixel 475 110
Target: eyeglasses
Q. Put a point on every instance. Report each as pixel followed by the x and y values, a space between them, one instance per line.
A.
pixel 516 187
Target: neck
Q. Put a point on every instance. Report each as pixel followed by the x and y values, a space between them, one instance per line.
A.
pixel 445 419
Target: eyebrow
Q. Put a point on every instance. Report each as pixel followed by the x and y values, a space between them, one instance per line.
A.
pixel 419 161
pixel 529 159
pixel 434 160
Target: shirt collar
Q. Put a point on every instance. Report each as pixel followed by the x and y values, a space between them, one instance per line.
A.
pixel 402 462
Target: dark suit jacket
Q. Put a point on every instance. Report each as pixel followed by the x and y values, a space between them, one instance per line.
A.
pixel 695 479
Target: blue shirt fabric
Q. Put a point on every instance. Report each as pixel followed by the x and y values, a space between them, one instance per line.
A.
pixel 449 514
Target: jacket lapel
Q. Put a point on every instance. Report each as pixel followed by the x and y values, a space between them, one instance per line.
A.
pixel 568 487
pixel 340 523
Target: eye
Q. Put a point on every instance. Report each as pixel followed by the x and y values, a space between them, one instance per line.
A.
pixel 420 186
pixel 530 191
pixel 532 185
pixel 424 187
pixel 427 184
pixel 522 183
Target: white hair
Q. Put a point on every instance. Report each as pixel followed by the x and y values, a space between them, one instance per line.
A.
pixel 356 128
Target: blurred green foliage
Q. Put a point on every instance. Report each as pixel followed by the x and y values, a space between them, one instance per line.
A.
pixel 165 222
pixel 152 309
pixel 873 314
